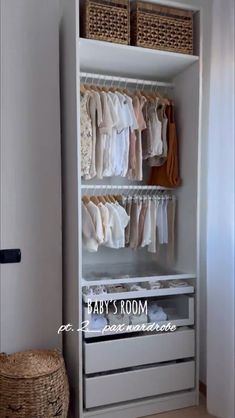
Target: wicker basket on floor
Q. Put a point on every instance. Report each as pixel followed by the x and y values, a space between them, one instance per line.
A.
pixel 33 384
pixel 106 20
pixel 159 27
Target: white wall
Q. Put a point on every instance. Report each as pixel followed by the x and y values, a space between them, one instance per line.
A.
pixel 30 173
pixel 220 233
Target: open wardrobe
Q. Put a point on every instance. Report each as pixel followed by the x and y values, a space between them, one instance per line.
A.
pixel 132 146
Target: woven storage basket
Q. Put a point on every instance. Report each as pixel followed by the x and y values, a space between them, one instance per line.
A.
pixel 159 27
pixel 33 384
pixel 106 20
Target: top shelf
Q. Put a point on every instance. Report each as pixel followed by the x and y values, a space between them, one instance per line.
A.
pixel 131 61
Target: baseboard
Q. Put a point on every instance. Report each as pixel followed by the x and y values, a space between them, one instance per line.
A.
pixel 203 388
pixel 146 408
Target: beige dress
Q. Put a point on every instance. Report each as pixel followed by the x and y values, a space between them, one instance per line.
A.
pixel 96 120
pixel 136 154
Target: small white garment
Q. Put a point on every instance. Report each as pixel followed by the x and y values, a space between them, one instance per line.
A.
pixel 162 221
pixel 156 313
pixel 156 126
pixel 98 322
pixel 110 142
pixel 105 220
pixel 147 232
pixel 133 124
pixel 123 137
pixel 138 319
pixel 88 231
pixel 117 318
pixel 152 248
pixel 118 220
pixel 165 221
pixel 97 221
pixel 115 146
pixel 124 220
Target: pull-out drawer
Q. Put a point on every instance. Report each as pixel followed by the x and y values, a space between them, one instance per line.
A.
pixel 179 310
pixel 129 352
pixel 140 383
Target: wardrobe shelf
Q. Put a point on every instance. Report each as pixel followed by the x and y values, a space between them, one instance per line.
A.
pixel 129 273
pixel 131 61
pixel 139 294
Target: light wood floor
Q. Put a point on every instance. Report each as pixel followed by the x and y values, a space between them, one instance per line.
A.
pixel 195 412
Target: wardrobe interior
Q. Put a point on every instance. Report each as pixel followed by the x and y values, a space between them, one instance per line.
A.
pixel 185 95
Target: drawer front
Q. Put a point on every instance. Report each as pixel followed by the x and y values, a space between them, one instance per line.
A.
pixel 136 384
pixel 119 354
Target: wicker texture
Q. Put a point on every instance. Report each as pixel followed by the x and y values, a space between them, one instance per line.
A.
pixel 33 384
pixel 106 20
pixel 160 27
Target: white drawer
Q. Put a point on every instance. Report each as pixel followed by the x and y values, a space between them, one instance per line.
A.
pixel 128 352
pixel 140 383
pixel 180 312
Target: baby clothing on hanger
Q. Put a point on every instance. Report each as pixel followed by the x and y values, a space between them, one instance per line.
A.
pixel 95 214
pixel 152 246
pixel 96 120
pixel 167 175
pixel 118 220
pixel 159 160
pixel 119 131
pixel 88 231
pixel 134 223
pixel 146 237
pixel 137 222
pixel 86 135
pixel 104 224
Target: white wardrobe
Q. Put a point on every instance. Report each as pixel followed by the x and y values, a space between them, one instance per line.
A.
pixel 136 374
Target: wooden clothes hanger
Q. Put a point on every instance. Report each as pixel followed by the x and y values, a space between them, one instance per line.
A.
pixel 101 199
pixel 83 89
pixel 95 200
pixel 85 199
pixel 107 198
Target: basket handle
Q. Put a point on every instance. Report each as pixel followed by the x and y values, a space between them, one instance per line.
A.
pixel 15 408
pixel 58 351
pixel 3 356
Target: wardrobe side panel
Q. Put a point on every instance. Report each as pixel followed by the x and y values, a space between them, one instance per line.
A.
pixel 187 119
pixel 70 175
pixel 31 292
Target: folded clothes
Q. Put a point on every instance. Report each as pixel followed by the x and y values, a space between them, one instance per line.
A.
pixel 177 283
pixel 95 290
pixel 156 313
pixel 98 322
pixel 135 287
pixel 155 285
pixel 138 319
pixel 118 288
pixel 115 317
